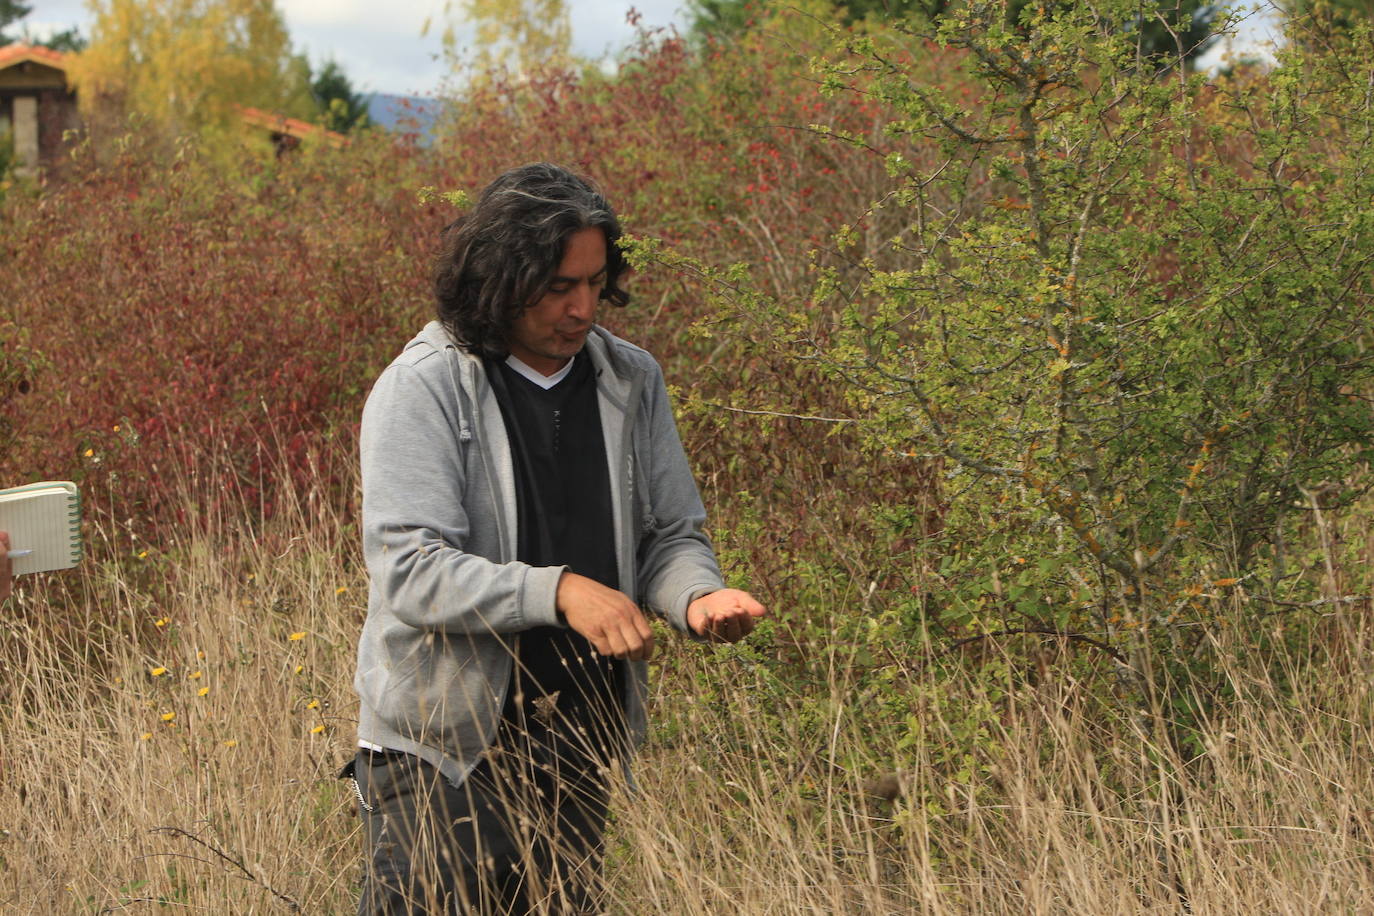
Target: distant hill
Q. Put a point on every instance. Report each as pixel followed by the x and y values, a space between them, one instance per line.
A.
pixel 405 114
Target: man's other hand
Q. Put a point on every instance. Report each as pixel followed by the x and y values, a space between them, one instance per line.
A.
pixel 607 618
pixel 725 616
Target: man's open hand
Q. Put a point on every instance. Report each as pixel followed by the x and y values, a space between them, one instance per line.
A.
pixel 726 616
pixel 610 621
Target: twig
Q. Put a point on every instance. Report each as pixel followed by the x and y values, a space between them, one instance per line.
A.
pixel 132 900
pixel 1040 631
pixel 779 413
pixel 230 860
pixel 1343 599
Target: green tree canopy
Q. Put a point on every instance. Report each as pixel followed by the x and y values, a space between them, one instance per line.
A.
pixel 1343 14
pixel 1124 310
pixel 10 13
pixel 341 108
pixel 1164 28
pixel 66 40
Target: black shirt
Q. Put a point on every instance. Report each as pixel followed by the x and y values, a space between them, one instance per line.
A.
pixel 563 493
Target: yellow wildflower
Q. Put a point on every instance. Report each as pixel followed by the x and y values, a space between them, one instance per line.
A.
pixel 194 676
pixel 297 637
pixel 202 691
pixel 341 589
pixel 161 622
pixel 168 716
pixel 145 736
pixel 313 704
pixel 231 743
pixel 317 730
pixel 300 669
pixel 159 671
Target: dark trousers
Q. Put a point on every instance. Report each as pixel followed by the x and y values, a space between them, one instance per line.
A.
pixel 522 834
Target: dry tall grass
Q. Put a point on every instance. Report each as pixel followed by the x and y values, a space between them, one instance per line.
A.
pixel 180 756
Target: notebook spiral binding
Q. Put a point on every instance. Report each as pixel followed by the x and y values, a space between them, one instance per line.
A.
pixel 74 516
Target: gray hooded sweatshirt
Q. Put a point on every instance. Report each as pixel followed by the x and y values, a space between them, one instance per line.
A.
pixel 447 595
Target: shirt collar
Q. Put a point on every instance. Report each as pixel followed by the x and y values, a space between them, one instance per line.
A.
pixel 534 375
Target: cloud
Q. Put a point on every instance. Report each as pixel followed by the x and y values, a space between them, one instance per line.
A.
pixel 395 16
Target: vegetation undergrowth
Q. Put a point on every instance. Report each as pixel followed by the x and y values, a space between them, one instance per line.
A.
pixel 181 751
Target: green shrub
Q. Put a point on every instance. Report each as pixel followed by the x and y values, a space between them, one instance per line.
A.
pixel 1125 310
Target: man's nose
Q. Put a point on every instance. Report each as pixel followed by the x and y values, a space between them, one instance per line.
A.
pixel 583 304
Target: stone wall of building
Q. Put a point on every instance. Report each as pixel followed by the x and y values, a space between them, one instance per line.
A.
pixel 57 115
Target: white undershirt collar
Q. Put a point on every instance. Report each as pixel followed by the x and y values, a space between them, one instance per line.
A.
pixel 534 375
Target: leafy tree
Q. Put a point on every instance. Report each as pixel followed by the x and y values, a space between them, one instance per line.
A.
pixel 719 18
pixel 341 108
pixel 69 40
pixel 1344 12
pixel 727 17
pixel 1183 29
pixel 11 12
pixel 1340 14
pixel 1126 309
pixel 186 64
pixel 1161 29
pixel 523 36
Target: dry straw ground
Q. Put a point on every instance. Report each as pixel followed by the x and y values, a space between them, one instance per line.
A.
pixel 180 757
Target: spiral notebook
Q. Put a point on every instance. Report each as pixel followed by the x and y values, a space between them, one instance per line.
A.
pixel 45 518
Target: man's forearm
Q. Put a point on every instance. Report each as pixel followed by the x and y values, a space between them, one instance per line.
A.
pixel 447 590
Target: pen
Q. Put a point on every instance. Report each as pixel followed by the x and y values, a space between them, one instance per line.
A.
pixel 19 554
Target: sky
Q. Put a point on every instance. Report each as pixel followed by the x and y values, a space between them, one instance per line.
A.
pixel 1258 30
pixel 379 44
pixel 385 51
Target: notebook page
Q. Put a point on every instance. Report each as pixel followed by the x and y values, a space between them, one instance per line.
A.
pixel 44 520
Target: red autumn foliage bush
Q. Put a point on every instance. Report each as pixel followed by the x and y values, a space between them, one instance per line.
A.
pixel 188 322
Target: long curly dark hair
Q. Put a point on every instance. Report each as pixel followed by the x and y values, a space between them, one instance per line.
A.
pixel 498 258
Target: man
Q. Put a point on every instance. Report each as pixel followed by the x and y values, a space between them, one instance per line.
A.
pixel 524 493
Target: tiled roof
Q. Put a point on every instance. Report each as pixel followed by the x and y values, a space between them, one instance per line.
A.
pixel 18 53
pixel 292 127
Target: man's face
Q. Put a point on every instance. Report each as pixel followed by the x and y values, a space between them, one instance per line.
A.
pixel 552 330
